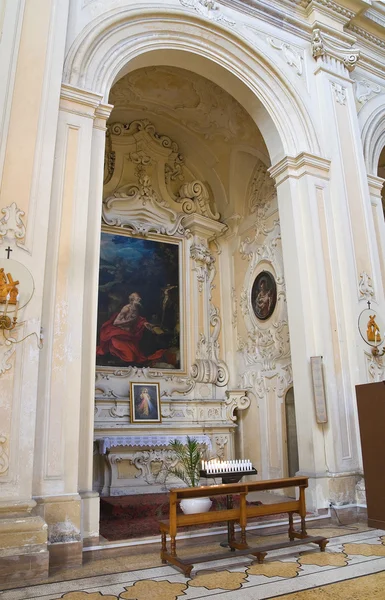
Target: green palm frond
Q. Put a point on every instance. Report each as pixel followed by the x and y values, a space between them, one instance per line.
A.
pixel 189 461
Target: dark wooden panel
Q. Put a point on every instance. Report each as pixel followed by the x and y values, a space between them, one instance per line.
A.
pixel 371 416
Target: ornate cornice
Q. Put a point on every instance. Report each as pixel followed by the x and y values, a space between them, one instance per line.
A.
pixel 303 164
pixel 339 13
pixel 367 36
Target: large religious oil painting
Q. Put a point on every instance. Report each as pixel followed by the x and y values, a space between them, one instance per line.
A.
pixel 139 303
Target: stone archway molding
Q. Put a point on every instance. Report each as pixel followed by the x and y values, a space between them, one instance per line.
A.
pixel 145 35
pixel 372 123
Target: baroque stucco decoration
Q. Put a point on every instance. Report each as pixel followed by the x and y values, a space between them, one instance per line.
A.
pixel 149 189
pixel 208 367
pixel 265 343
pixel 7 348
pixel 11 223
pixel 365 287
pixel 209 9
pixel 4 460
pixel 144 173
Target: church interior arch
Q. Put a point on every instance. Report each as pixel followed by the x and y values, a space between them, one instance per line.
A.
pixel 175 127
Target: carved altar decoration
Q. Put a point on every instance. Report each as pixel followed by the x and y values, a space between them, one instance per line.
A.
pixel 151 194
pixel 131 459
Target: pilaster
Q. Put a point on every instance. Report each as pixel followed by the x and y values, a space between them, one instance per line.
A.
pixel 326 451
pixel 64 451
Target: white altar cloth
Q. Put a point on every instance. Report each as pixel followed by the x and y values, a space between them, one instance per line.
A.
pixel 106 443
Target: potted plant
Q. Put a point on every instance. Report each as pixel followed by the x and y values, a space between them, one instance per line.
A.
pixel 187 470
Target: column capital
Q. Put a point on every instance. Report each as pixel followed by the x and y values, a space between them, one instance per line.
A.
pixel 339 58
pixel 296 167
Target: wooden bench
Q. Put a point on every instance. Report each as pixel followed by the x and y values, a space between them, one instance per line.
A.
pixel 239 514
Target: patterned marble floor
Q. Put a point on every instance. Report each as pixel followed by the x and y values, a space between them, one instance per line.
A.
pixel 288 573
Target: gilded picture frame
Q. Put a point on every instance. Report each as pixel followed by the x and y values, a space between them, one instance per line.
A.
pixel 145 406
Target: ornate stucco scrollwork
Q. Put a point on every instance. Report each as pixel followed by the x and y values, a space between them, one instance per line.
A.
pixel 109 158
pixel 209 9
pixel 375 367
pixel 236 400
pixel 365 287
pixel 11 224
pixel 205 371
pixel 4 460
pixel 154 465
pixel 7 348
pixel 221 442
pixel 365 89
pixel 208 368
pixel 195 198
pixel 292 56
pixel 204 263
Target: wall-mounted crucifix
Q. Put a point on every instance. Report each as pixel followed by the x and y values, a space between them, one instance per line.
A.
pixel 8 251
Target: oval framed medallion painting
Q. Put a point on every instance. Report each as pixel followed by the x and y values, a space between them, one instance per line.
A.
pixel 264 295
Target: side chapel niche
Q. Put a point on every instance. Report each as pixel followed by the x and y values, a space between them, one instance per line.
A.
pixel 187 197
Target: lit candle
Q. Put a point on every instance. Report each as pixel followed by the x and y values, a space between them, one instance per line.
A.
pixel 6 303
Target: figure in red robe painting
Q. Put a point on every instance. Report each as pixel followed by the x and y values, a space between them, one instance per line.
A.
pixel 120 336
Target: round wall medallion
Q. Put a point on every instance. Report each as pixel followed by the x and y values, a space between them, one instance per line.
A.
pixel 264 295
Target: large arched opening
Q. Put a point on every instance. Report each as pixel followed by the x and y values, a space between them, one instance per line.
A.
pixel 108 51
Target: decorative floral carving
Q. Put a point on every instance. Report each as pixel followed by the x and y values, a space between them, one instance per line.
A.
pixel 109 158
pixel 221 443
pixel 209 9
pixel 365 287
pixel 119 411
pixel 204 263
pixel 11 224
pixel 262 190
pixel 7 348
pixel 4 460
pixel 339 92
pixel 292 57
pixel 187 384
pixel 365 89
pixel 375 366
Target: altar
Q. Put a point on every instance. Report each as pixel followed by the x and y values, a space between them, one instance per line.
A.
pixel 135 458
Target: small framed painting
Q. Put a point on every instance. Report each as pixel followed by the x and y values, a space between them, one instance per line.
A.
pixel 145 403
pixel 264 295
